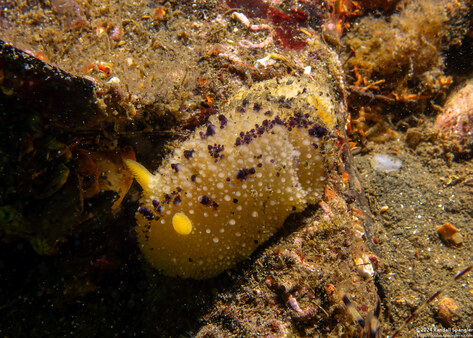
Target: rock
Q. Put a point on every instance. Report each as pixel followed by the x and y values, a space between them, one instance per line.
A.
pixel 450 235
pixel 446 311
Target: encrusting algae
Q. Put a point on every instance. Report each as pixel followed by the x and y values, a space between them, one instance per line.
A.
pixel 233 183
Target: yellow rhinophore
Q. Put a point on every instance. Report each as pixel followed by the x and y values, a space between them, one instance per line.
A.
pixel 181 223
pixel 141 174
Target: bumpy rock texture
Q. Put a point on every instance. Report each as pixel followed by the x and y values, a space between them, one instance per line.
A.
pixel 237 178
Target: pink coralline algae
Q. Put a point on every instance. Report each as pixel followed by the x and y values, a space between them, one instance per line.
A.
pixel 456 121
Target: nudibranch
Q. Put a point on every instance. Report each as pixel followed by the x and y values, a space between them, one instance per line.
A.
pixel 232 184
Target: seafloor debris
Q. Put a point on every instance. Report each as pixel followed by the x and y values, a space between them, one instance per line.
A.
pixel 370 325
pixel 285 24
pixel 71 12
pixel 246 22
pixel 456 120
pixel 449 234
pixel 385 163
pixel 447 308
pixel 363 265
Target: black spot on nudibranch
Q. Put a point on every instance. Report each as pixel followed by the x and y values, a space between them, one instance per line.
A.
pixel 317 131
pixel 177 201
pixel 257 106
pixel 144 211
pixel 277 120
pixel 205 200
pixel 157 206
pixel 189 153
pixel 176 166
pixel 286 103
pixel 223 121
pixel 215 150
pixel 211 129
pixel 167 198
pixel 147 213
pixel 247 138
pixel 242 174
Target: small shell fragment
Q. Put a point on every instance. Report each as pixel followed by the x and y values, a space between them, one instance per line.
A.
pixel 364 266
pixel 449 234
pixel 385 163
pixel 447 308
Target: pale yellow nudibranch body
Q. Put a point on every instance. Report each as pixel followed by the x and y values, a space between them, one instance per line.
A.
pixel 231 185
